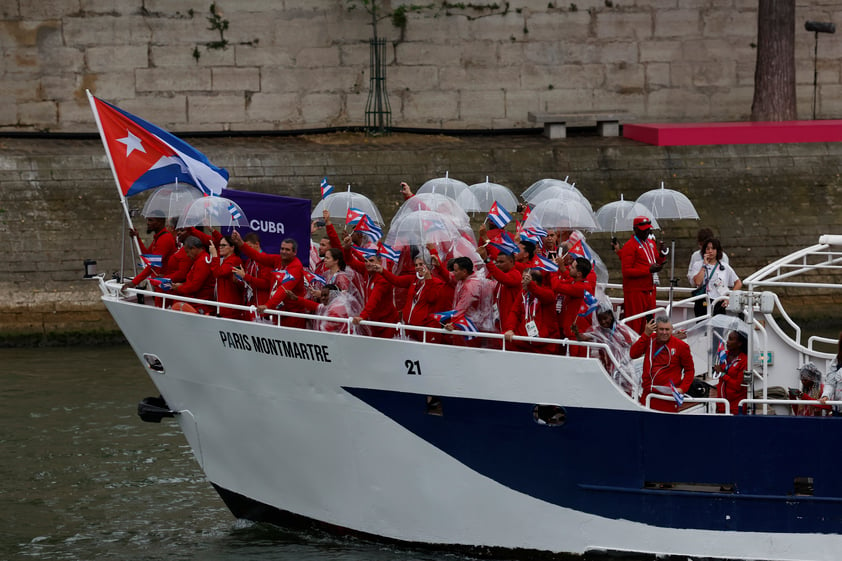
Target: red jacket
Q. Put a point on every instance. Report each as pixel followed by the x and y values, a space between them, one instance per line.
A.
pixel 178 266
pixel 573 292
pixel 228 289
pixel 731 383
pixel 163 244
pixel 259 278
pixel 294 268
pixel 662 365
pixel 507 293
pixel 538 305
pixel 422 300
pixel 635 259
pixel 199 282
pixel 377 296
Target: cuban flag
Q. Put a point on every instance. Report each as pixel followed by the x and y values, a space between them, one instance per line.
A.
pixel 326 187
pixel 152 260
pixel 364 252
pixel 387 253
pixel 580 249
pixel 505 244
pixel 144 156
pixel 721 358
pixel 589 305
pixel 499 216
pixel 282 276
pixel 526 211
pixel 235 212
pixel 446 317
pixel 465 324
pixel 677 395
pixel 353 216
pixel 312 278
pixel 537 231
pixel 161 283
pixel 367 227
pixel 530 235
pixel 541 262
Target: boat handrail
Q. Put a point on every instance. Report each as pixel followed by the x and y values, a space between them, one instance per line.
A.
pixel 767 401
pixel 690 399
pixel 116 289
pixel 820 339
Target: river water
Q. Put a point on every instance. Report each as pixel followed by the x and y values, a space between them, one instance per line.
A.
pixel 83 478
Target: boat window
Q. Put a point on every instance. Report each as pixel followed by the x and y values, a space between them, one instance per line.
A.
pixel 550 415
pixel 803 486
pixel 725 488
pixel 153 362
pixel 434 406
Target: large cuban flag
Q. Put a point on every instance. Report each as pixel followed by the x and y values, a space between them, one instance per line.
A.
pixel 144 156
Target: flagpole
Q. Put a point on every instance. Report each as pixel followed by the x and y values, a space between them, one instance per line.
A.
pixel 113 169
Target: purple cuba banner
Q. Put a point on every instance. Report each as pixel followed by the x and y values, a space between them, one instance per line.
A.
pixel 274 218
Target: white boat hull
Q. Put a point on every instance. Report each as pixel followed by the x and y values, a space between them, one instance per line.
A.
pixel 334 428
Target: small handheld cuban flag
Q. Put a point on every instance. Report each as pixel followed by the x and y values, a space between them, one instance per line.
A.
pixel 326 187
pixel 387 253
pixel 589 304
pixel 526 211
pixel 235 212
pixel 531 235
pixel 161 283
pixel 282 276
pixel 721 359
pixel 541 262
pixel 505 244
pixel 364 252
pixel 677 395
pixel 446 317
pixel 152 260
pixel 464 324
pixel 537 231
pixel 353 216
pixel 312 278
pixel 367 227
pixel 499 216
pixel 580 249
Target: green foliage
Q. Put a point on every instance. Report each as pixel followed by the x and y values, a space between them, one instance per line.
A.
pixel 217 23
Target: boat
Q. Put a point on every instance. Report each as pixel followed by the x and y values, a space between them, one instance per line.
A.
pixel 495 451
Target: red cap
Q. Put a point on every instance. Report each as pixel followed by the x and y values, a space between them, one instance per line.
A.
pixel 642 223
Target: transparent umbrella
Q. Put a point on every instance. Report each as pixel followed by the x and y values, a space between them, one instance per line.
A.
pixel 435 202
pixel 555 192
pixel 619 216
pixel 563 214
pixel 339 203
pixel 542 184
pixel 487 192
pixel 171 200
pixel 215 212
pixel 667 203
pixel 453 188
pixel 420 228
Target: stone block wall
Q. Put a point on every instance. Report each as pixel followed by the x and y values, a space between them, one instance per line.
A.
pixel 293 65
pixel 59 205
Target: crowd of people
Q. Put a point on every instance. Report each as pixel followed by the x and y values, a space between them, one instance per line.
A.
pixel 529 286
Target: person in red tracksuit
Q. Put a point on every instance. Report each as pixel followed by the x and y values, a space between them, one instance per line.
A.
pixel 229 289
pixel 199 282
pixel 640 259
pixel 257 278
pixel 285 261
pixel 163 244
pixel 509 280
pixel 532 315
pixel 572 286
pixel 423 298
pixel 667 364
pixel 376 293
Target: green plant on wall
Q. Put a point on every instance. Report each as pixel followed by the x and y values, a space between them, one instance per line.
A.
pixel 217 23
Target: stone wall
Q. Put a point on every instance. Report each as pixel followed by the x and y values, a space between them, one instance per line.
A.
pixel 58 204
pixel 304 64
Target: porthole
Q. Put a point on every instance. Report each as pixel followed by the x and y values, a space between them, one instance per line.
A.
pixel 549 415
pixel 153 363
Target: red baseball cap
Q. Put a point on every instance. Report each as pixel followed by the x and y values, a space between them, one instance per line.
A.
pixel 642 223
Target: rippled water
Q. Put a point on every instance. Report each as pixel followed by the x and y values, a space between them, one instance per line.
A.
pixel 81 477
